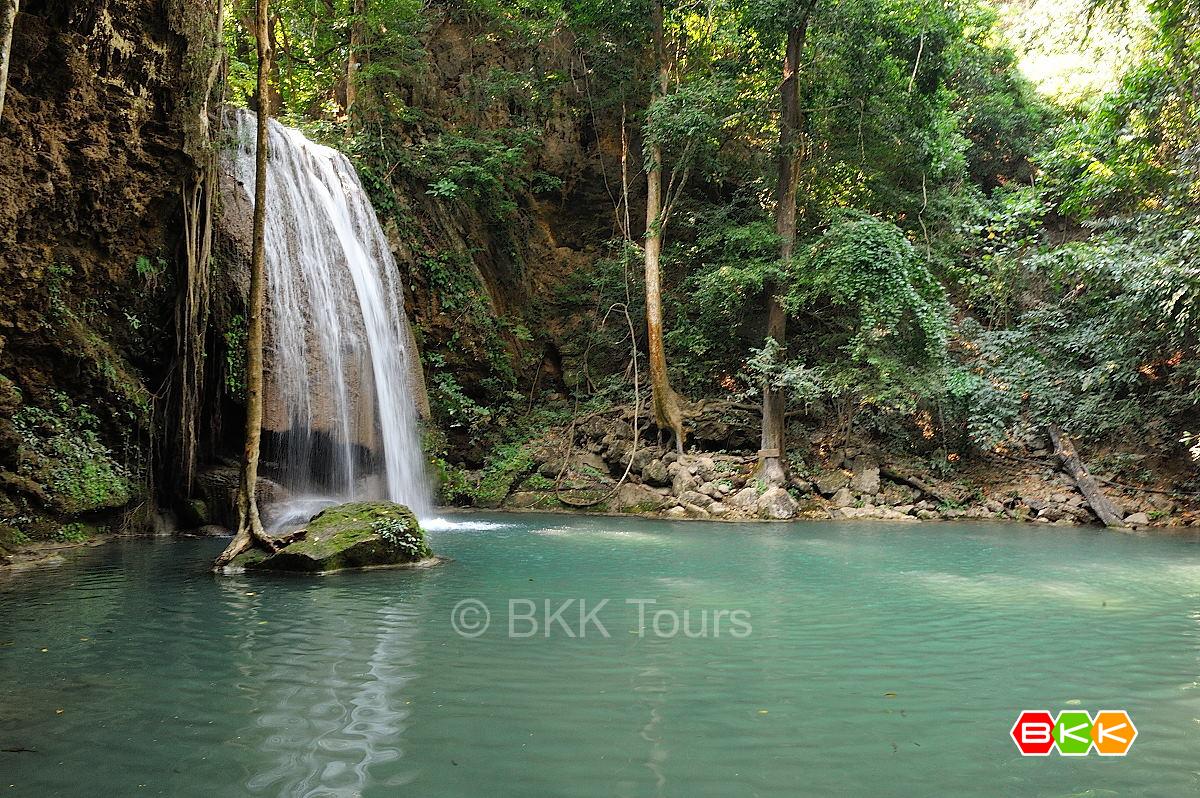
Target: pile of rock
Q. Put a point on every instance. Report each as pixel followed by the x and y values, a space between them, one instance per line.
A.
pixel 721 486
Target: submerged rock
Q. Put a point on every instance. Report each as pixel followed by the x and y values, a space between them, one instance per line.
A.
pixel 355 535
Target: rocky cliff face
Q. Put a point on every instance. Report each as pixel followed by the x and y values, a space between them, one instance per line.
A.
pixel 97 146
pixel 490 252
pixel 492 201
pixel 92 164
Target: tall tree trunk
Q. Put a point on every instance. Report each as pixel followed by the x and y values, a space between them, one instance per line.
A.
pixel 666 403
pixel 358 38
pixel 7 23
pixel 250 529
pixel 772 449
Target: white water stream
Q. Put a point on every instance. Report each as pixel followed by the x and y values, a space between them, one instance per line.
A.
pixel 339 390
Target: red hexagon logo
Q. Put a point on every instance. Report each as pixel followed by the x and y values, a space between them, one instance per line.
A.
pixel 1034 732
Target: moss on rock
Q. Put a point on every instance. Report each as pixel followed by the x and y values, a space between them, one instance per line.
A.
pixel 355 535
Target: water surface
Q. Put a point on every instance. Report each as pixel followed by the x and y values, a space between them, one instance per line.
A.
pixel 880 660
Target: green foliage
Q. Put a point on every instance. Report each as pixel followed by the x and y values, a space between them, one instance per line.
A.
pixel 312 45
pixel 398 534
pixel 235 357
pixel 1118 351
pixel 490 169
pixel 770 365
pixel 1000 113
pixel 453 278
pixel 1099 334
pixel 149 269
pixel 62 450
pixel 454 488
pixel 74 532
pixel 11 537
pixel 930 173
pixel 507 466
pixel 728 254
pixel 866 273
pixel 454 407
pixel 688 124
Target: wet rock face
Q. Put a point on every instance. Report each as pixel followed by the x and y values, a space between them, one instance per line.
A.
pixel 92 162
pixel 218 488
pixel 345 536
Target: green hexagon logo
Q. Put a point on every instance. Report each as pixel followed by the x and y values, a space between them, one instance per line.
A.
pixel 1073 732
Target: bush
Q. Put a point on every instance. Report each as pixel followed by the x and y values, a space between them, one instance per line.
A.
pixel 64 453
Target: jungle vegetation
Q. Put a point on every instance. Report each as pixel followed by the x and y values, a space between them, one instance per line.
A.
pixel 869 207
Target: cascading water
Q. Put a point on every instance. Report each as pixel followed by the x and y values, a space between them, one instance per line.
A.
pixel 339 390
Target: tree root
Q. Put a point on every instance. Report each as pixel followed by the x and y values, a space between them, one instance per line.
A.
pixel 242 543
pixel 918 484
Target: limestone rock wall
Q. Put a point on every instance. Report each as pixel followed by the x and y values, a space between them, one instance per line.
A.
pixel 92 161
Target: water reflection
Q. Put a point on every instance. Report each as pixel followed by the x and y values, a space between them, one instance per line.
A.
pixel 326 682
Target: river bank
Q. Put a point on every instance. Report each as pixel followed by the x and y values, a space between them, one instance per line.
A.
pixel 45 554
pixel 603 465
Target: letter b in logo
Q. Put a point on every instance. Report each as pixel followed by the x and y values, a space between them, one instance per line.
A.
pixel 1073 732
pixel 1034 733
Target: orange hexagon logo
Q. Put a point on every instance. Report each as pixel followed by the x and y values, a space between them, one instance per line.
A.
pixel 1113 732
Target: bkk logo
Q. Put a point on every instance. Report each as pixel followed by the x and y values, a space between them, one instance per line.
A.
pixel 1074 732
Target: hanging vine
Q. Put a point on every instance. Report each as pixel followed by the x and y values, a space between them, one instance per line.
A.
pixel 201 22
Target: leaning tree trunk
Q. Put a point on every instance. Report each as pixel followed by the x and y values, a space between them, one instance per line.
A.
pixel 250 529
pixel 7 23
pixel 1108 513
pixel 666 403
pixel 772 454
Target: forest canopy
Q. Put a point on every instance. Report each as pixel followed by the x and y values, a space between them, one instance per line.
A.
pixel 979 238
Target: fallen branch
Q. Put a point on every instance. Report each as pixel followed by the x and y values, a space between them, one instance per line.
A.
pixel 1161 492
pixel 1122 485
pixel 1104 509
pixel 918 484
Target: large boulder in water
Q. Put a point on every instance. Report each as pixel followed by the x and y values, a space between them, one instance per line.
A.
pixel 355 535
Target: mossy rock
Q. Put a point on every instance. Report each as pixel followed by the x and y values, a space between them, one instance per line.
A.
pixel 194 513
pixel 355 535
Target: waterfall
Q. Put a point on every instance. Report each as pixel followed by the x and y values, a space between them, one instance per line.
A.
pixel 339 399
